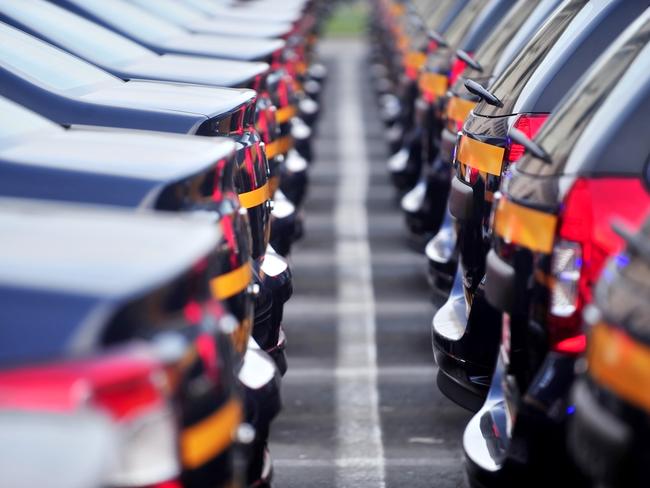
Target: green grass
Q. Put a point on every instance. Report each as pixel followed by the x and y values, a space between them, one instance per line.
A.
pixel 349 20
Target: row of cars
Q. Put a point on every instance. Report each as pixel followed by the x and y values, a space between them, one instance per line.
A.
pixel 153 163
pixel 520 154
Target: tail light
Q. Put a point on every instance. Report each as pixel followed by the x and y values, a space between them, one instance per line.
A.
pixel 585 242
pixel 130 386
pixel 529 124
pixel 456 69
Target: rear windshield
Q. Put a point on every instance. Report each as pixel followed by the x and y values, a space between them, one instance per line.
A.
pixel 576 112
pixel 74 33
pixel 131 19
pixel 45 64
pixel 490 51
pixel 512 81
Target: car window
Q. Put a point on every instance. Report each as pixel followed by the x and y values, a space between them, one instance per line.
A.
pixel 509 85
pixel 45 64
pixel 605 81
pixel 129 18
pixel 74 33
pixel 17 120
pixel 463 22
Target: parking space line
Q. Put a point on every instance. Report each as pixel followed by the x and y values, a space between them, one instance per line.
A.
pixel 357 396
pixel 439 461
pixel 310 374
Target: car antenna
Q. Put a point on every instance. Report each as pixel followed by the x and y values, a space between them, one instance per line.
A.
pixel 532 147
pixel 469 60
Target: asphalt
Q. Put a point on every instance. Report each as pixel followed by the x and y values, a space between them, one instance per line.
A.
pixel 419 430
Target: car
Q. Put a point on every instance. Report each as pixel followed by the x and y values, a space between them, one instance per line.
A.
pixel 466 330
pixel 441 67
pixel 426 207
pixel 70 91
pixel 169 173
pixel 115 314
pixel 163 37
pixel 606 433
pixel 552 236
pixel 194 20
pixel 131 62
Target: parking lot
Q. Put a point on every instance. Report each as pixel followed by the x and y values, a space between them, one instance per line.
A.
pixel 361 407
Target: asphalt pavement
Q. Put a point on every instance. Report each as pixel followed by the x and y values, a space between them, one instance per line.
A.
pixel 361 407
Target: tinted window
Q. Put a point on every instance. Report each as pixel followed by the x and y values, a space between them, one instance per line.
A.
pixel 45 64
pixel 509 85
pixel 580 107
pixel 16 120
pixel 131 19
pixel 170 10
pixel 73 32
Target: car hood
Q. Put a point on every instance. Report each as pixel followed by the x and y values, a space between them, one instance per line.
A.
pixel 241 28
pixel 142 155
pixel 193 69
pixel 176 97
pixel 243 49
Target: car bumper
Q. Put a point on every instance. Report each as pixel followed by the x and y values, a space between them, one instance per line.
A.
pixel 504 451
pixel 442 257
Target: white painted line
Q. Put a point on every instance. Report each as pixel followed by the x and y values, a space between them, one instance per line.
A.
pixel 357 397
pixel 437 461
pixel 310 374
pixel 304 308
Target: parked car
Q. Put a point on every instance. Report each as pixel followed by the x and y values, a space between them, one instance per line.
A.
pixel 194 20
pixel 552 230
pixel 172 173
pixel 442 65
pixel 424 206
pixel 70 91
pixel 430 211
pixel 163 37
pixel 466 330
pixel 132 62
pixel 607 432
pixel 74 310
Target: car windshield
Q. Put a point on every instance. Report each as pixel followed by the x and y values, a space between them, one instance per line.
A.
pixel 74 33
pixel 45 64
pixel 131 19
pixel 513 80
pixel 170 10
pixel 576 112
pixel 17 120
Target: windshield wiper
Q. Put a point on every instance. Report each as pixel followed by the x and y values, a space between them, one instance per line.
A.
pixel 531 146
pixel 478 90
pixel 469 60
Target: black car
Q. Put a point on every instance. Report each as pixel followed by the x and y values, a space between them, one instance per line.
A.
pixel 552 226
pixel 426 205
pixel 609 428
pixel 194 20
pixel 70 91
pixel 132 62
pixel 466 342
pixel 171 173
pixel 74 309
pixel 442 65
